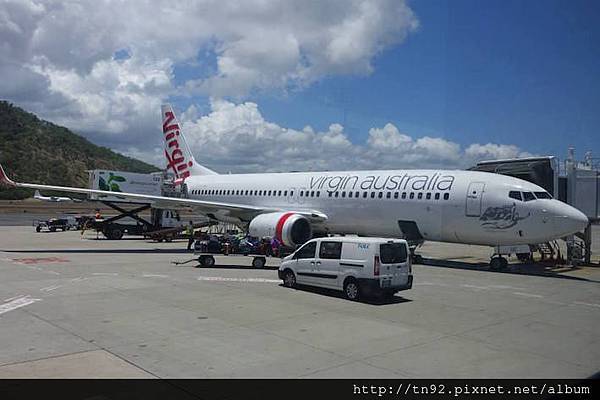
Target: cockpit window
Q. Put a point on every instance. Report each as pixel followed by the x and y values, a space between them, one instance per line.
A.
pixel 515 195
pixel 542 195
pixel 528 196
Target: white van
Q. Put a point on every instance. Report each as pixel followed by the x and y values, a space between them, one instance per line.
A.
pixel 357 265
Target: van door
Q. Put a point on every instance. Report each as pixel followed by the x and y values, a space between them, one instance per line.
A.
pixel 395 264
pixel 305 263
pixel 474 195
pixel 327 267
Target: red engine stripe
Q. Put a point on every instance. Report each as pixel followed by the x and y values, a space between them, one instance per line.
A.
pixel 279 227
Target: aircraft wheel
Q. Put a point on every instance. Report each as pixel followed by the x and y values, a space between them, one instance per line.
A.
pixel 38 228
pixel 498 263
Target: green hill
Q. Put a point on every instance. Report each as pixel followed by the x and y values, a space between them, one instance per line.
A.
pixel 37 151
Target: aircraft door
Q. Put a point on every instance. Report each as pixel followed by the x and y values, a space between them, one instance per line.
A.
pixel 474 197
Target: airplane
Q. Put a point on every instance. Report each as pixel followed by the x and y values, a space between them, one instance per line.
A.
pixel 456 206
pixel 54 199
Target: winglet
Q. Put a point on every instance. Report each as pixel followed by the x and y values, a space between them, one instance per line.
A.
pixel 4 178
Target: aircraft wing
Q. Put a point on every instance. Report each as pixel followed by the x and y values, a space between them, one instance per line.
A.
pixel 240 211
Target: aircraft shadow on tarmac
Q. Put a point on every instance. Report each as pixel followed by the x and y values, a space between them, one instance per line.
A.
pixel 533 269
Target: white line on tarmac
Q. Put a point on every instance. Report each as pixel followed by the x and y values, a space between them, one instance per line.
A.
pixel 224 279
pixel 105 273
pixel 155 276
pixel 528 294
pixel 475 287
pixel 50 288
pixel 17 303
pixel 586 304
pixel 53 272
pixel 12 298
pixel 81 278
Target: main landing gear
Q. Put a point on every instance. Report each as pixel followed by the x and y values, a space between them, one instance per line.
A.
pixel 498 263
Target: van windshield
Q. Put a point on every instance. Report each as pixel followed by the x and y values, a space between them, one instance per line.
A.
pixel 391 253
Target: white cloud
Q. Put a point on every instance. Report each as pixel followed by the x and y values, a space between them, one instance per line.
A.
pixel 236 137
pixel 494 151
pixel 56 56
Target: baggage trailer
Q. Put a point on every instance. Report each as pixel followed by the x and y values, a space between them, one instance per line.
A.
pixel 208 259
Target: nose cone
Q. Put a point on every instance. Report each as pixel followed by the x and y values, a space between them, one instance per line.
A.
pixel 569 220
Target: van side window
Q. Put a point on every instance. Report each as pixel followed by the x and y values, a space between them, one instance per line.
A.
pixel 307 251
pixel 330 250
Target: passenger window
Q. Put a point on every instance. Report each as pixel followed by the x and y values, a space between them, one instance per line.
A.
pixel 279 193
pixel 285 193
pixel 337 194
pixel 428 196
pixel 528 196
pixel 513 194
pixel 388 195
pixel 356 194
pixel 350 194
pixel 392 253
pixel 307 251
pixel 330 194
pixel 318 193
pixel 437 196
pixel 542 195
pixel 312 193
pixel 291 193
pixel 396 195
pixel 330 250
pixel 380 195
pixel 403 195
pixel 372 195
pixel 446 196
pixel 420 196
pixel 412 195
pixel 364 195
pixel 343 194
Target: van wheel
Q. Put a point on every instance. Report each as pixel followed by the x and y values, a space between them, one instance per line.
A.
pixel 289 278
pixel 351 289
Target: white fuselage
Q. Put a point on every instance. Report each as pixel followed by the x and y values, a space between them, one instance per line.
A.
pixel 450 206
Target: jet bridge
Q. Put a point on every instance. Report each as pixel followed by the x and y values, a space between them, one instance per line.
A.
pixel 576 183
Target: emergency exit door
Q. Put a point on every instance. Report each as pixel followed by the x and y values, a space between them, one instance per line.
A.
pixel 474 195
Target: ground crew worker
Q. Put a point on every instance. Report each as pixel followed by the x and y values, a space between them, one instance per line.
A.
pixel 98 215
pixel 189 230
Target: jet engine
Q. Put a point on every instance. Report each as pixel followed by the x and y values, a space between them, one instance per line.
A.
pixel 290 228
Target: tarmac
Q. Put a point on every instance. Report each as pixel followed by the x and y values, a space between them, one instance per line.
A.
pixel 77 306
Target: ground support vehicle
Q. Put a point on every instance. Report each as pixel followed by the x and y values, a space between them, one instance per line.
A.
pixel 359 266
pixel 115 227
pixel 63 223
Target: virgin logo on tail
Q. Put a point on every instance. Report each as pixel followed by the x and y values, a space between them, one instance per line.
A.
pixel 176 158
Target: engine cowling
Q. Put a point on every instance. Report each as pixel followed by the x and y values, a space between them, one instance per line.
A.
pixel 289 228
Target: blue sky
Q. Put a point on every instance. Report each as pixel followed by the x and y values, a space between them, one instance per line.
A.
pixel 518 72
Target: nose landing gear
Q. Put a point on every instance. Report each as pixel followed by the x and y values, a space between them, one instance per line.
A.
pixel 498 263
